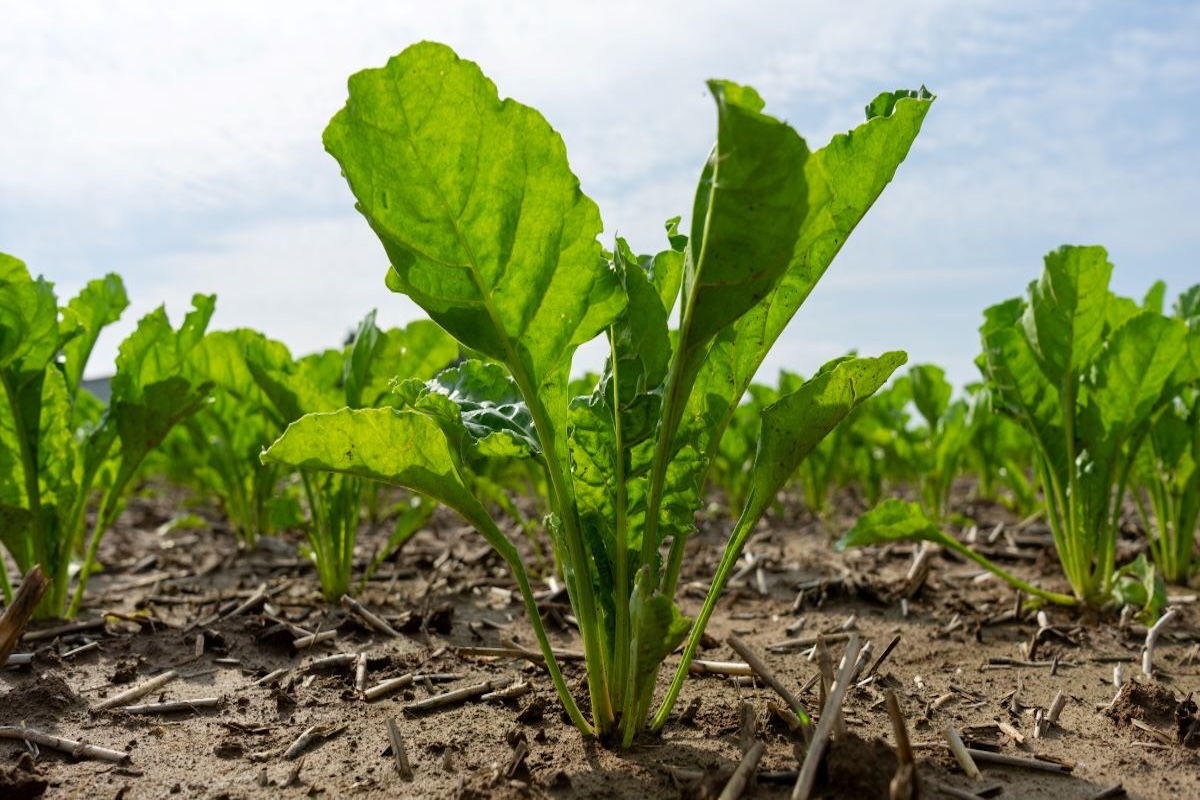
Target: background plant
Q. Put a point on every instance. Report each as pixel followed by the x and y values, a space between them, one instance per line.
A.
pixel 1086 373
pixel 57 448
pixel 933 449
pixel 999 454
pixel 1168 466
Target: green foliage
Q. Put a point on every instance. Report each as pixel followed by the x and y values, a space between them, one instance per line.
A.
pixel 487 230
pixel 1086 373
pixel 1167 469
pixel 216 451
pixel 1000 454
pixel 57 448
pixel 933 450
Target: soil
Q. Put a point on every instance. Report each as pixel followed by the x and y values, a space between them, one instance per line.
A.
pixel 968 654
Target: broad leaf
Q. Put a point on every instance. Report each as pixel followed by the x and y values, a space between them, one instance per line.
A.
pixel 843 180
pixel 402 448
pixel 893 520
pixel 1066 312
pixel 482 220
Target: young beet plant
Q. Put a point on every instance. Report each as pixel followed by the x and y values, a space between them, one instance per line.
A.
pixel 1168 467
pixel 486 229
pixel 1086 373
pixel 58 446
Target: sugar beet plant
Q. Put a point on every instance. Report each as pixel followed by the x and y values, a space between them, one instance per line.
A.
pixel 486 228
pixel 1090 376
pixel 58 446
pixel 1168 468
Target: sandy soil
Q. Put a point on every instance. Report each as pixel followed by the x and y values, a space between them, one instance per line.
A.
pixel 962 657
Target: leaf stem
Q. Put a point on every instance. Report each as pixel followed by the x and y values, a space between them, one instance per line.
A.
pixel 104 518
pixel 733 549
pixel 1028 588
pixel 586 609
pixel 621 678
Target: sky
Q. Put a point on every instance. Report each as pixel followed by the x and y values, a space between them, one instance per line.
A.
pixel 179 144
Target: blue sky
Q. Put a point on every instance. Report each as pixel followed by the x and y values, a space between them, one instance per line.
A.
pixel 180 145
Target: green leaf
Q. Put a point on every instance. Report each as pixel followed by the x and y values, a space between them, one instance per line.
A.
pixel 793 426
pixel 1187 305
pixel 28 320
pixel 402 448
pixel 1016 381
pixel 155 351
pixel 480 215
pixel 1155 297
pixel 98 304
pixel 659 628
pixel 356 371
pixel 750 202
pixel 376 357
pixel 1139 585
pixel 893 520
pixel 639 339
pixel 224 357
pixel 930 392
pixel 884 104
pixel 490 407
pixel 843 180
pixel 1131 373
pixel 1066 313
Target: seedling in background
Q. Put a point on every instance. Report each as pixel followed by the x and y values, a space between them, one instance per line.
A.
pixel 1168 468
pixel 57 444
pixel 486 228
pixel 1086 373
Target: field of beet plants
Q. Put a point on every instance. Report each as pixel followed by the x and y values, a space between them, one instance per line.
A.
pixel 439 561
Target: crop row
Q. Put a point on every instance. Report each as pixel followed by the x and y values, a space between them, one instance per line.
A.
pixel 1086 397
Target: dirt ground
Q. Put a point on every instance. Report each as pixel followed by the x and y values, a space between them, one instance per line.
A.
pixel 966 655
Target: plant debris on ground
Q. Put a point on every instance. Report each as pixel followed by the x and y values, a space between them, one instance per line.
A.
pixel 292 720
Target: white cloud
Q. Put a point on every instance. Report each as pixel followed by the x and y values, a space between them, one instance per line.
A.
pixel 180 143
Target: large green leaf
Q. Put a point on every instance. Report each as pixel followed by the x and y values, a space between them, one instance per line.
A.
pixel 223 357
pixel 1017 382
pixel 843 180
pixel 156 351
pixel 750 202
pixel 482 220
pixel 28 320
pixel 1135 366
